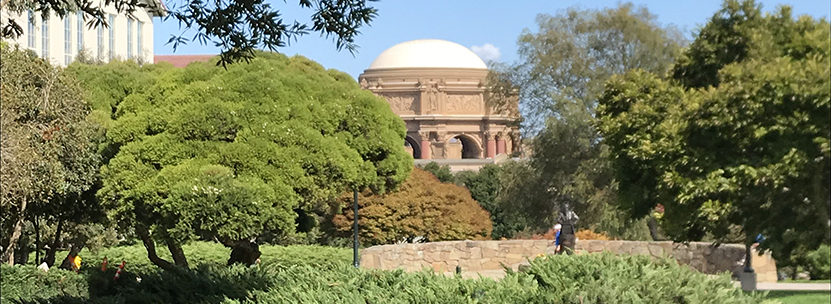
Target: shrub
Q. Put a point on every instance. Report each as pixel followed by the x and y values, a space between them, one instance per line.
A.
pixel 422 207
pixel 586 234
pixel 591 278
pixel 818 263
pixel 27 283
pixel 609 278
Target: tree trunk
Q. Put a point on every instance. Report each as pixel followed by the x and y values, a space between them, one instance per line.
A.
pixel 37 241
pixel 177 253
pixel 8 254
pixel 50 254
pixel 243 252
pixel 144 235
pixel 653 228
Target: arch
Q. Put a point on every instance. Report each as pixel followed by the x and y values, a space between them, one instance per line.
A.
pixel 412 147
pixel 463 146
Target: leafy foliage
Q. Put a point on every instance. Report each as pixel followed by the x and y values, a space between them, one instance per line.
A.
pixel 563 66
pixel 819 263
pixel 751 153
pixel 48 155
pixel 441 172
pixel 237 27
pixel 423 207
pixel 209 153
pixel 593 278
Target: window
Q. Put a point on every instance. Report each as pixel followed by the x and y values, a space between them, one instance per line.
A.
pixel 129 38
pixel 80 35
pixel 100 42
pixel 139 44
pixel 32 35
pixel 44 43
pixel 67 39
pixel 112 37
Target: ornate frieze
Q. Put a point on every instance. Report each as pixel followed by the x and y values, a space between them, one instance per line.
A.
pixel 402 103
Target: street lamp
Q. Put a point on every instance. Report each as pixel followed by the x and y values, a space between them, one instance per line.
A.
pixel 355 261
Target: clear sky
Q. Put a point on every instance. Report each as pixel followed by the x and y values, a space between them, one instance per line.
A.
pixel 489 27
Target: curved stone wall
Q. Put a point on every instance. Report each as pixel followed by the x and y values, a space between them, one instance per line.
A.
pixel 490 255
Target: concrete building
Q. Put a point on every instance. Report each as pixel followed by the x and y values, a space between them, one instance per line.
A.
pixel 60 40
pixel 439 89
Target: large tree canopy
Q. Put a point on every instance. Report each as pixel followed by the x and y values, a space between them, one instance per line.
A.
pixel 563 66
pixel 204 152
pixel 424 208
pixel 48 159
pixel 237 27
pixel 742 141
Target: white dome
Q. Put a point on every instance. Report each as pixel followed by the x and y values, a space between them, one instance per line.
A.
pixel 428 53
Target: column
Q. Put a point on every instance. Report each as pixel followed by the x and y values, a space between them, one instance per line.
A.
pixel 500 144
pixel 491 145
pixel 425 144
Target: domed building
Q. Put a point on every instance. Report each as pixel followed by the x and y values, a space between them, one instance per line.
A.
pixel 439 89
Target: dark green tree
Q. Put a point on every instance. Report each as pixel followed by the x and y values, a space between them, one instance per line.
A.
pixel 48 157
pixel 750 151
pixel 441 172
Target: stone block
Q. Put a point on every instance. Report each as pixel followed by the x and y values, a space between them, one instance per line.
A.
pixel 513 258
pixel 488 252
pixel 439 266
pixel 476 253
pixel 488 264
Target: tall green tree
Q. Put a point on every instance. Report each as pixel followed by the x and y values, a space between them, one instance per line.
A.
pixel 229 155
pixel 48 159
pixel 562 69
pixel 237 27
pixel 747 149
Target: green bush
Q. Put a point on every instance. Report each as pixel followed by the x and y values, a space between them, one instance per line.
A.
pixel 198 253
pixel 25 282
pixel 593 278
pixel 818 263
pixel 609 278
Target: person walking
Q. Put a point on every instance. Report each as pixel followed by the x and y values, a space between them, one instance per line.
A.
pixel 557 244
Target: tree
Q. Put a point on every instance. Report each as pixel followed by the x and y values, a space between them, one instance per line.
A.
pixel 48 158
pixel 423 209
pixel 237 27
pixel 229 155
pixel 562 69
pixel 441 172
pixel 749 150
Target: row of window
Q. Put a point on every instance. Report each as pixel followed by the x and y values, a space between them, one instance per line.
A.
pixel 79 30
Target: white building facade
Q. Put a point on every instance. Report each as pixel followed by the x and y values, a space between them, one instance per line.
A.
pixel 61 39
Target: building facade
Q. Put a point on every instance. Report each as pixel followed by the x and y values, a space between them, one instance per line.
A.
pixel 439 89
pixel 61 39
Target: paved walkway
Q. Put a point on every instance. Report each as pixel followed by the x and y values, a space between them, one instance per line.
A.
pixel 499 274
pixel 791 286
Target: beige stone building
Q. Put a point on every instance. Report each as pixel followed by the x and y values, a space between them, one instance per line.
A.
pixel 439 89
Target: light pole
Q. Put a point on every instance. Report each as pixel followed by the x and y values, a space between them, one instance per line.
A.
pixel 355 230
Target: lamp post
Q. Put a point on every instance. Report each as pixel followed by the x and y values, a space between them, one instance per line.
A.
pixel 355 230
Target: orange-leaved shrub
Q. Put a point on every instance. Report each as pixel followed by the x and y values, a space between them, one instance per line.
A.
pixel 421 209
pixel 584 234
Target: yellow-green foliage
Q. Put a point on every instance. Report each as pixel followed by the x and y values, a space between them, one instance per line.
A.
pixel 592 278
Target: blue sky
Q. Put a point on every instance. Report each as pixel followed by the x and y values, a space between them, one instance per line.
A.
pixel 489 27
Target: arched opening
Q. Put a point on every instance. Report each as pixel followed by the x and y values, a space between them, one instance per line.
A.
pixel 412 147
pixel 463 147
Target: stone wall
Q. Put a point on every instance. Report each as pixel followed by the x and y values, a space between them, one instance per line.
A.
pixel 490 255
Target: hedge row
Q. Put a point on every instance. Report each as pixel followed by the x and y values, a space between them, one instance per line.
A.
pixel 592 278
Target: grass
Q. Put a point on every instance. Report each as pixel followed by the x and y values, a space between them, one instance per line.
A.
pixel 800 296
